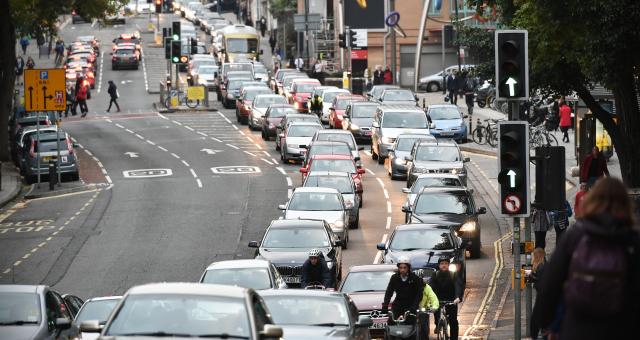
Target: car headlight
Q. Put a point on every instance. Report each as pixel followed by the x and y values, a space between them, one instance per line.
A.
pixel 453 267
pixel 354 127
pixel 468 226
pixel 399 161
pixel 386 140
pixel 458 171
pixel 292 146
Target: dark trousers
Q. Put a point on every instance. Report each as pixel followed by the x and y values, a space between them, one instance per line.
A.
pixel 452 318
pixel 113 101
pixel 468 98
pixel 565 133
pixel 452 97
pixel 541 239
pixel 83 106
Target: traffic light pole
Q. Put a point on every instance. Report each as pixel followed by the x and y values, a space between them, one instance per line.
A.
pixel 528 293
pixel 516 279
pixel 392 7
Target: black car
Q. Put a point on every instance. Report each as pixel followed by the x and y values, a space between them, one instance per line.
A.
pixel 424 244
pixel 358 118
pixel 316 314
pixel 286 244
pixel 453 207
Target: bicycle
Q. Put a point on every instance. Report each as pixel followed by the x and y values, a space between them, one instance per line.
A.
pixel 182 99
pixel 486 134
pixel 442 323
pixel 540 136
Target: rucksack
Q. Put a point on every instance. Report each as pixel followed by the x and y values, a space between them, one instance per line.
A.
pixel 599 273
pixel 469 85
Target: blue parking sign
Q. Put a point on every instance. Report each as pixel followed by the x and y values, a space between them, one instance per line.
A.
pixel 44 75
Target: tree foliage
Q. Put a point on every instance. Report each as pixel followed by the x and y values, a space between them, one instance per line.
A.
pixel 480 41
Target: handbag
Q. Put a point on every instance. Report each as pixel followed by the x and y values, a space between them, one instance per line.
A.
pixel 117 94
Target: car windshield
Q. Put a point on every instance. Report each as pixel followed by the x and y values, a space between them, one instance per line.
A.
pixel 377 91
pixel 264 102
pixel 122 51
pixel 366 281
pixel 341 104
pixel 398 95
pixel 302 130
pixel 308 310
pixel 412 120
pixel 249 95
pixel 206 69
pixel 328 97
pixel 287 82
pixel 444 113
pixel 442 203
pixel 236 45
pixel 256 278
pixel 234 84
pixel 337 137
pixel 339 165
pixel 315 201
pixel 434 182
pixel 259 69
pixel 438 154
pixel 19 308
pixel 96 310
pixel 279 112
pixel 334 149
pixel 281 75
pixel 406 143
pixel 436 239
pixel 363 111
pixel 305 88
pixel 185 314
pixel 305 238
pixel 307 118
pixel 340 183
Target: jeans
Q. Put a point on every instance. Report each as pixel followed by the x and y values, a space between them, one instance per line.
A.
pixel 452 318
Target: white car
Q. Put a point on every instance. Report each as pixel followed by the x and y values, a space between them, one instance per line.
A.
pixel 205 75
pixel 256 274
pixel 98 308
pixel 296 137
pixel 435 82
pixel 327 99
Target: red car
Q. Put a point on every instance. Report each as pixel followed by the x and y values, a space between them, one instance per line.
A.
pixel 300 91
pixel 339 163
pixel 338 108
pixel 243 103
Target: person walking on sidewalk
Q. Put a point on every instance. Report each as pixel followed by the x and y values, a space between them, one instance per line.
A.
pixel 299 63
pixel 452 87
pixel 19 69
pixel 24 43
pixel 81 99
pixel 272 42
pixel 594 273
pixel 577 204
pixel 263 26
pixel 541 225
pixel 70 102
pixel 30 63
pixel 469 91
pixel 593 167
pixel 387 76
pixel 114 95
pixel 377 75
pixel 565 121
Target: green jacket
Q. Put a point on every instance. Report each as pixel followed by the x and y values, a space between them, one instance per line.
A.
pixel 429 298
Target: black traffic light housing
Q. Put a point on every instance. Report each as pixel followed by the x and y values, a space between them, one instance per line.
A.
pixel 194 46
pixel 352 38
pixel 176 51
pixel 158 6
pixel 512 64
pixel 513 165
pixel 167 48
pixel 550 178
pixel 342 38
pixel 176 30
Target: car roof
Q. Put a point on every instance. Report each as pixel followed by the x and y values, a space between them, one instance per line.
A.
pixel 422 226
pixel 438 175
pixel 302 293
pixel 316 189
pixel 335 132
pixel 364 103
pixel 328 174
pixel 373 268
pixel 21 288
pixel 337 157
pixel 268 96
pixel 305 81
pixel 446 190
pixel 103 298
pixel 188 288
pixel 438 142
pixel 399 108
pixel 435 106
pixel 328 142
pixel 304 123
pixel 296 115
pixel 281 105
pixel 415 135
pixel 245 263
pixel 349 97
pixel 299 223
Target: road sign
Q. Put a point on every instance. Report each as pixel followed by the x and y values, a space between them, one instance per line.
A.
pixel 147 173
pixel 314 22
pixel 236 169
pixel 44 90
pixel 512 204
pixel 195 92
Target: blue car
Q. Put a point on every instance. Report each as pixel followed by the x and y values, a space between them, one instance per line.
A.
pixel 447 122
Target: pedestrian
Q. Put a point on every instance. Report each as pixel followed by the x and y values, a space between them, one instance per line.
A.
pixel 70 94
pixel 565 121
pixel 19 69
pixel 387 76
pixel 114 95
pixel 278 51
pixel 378 75
pixel 318 71
pixel 469 91
pixel 541 225
pixel 59 51
pixel 594 273
pixel 299 63
pixel 81 98
pixel 577 204
pixel 272 42
pixel 559 219
pixel 538 260
pixel 24 43
pixel 593 167
pixel 40 41
pixel 460 83
pixel 263 26
pixel 452 87
pixel 30 63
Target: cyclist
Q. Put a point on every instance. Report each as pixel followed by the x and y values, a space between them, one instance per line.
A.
pixel 315 270
pixel 447 287
pixel 315 104
pixel 408 289
pixel 430 302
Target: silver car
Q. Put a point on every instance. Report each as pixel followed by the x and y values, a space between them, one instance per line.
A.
pixel 340 136
pixel 440 156
pixel 343 182
pixel 435 82
pixel 397 97
pixel 320 204
pixel 98 308
pixel 255 274
pixel 297 136
pixel 259 107
pixel 397 165
pixel 391 121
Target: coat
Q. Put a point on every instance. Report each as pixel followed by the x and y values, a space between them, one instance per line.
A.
pixel 452 84
pixel 565 116
pixel 113 90
pixel 408 293
pixel 586 165
pixel 429 299
pixel 574 324
pixel 387 77
pixel 318 273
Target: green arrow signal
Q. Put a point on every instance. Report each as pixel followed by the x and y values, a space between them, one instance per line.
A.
pixel 512 86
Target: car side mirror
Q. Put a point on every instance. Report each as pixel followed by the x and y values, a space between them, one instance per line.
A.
pixel 432 125
pixel 303 170
pixel 466 159
pixel 408 158
pixel 375 125
pixel 364 321
pixel 360 148
pixel 381 246
pixel 482 210
pixel 253 244
pixel 338 243
pixel 282 206
pixel 62 324
pixel 406 209
pixel 90 326
pixel 360 171
pixel 271 331
pixel 406 190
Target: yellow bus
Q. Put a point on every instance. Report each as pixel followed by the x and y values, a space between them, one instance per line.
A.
pixel 240 43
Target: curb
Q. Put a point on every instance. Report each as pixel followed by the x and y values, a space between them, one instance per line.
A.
pixel 14 193
pixel 29 194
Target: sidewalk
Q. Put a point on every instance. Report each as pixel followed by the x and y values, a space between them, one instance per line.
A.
pixel 11 183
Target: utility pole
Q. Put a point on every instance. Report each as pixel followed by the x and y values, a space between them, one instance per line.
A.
pixel 306 30
pixel 392 7
pixel 458 43
pixel 347 33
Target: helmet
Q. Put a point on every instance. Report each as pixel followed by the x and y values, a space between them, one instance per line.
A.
pixel 314 253
pixel 403 260
pixel 444 258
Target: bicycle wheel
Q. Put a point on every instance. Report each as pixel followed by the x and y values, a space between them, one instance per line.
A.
pixel 479 135
pixel 167 102
pixel 442 330
pixel 192 103
pixel 492 137
pixel 551 139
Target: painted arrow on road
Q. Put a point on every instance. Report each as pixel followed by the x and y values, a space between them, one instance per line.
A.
pixel 211 152
pixel 132 154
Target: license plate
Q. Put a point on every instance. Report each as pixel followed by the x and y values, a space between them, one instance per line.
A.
pixel 380 325
pixel 291 279
pixel 446 133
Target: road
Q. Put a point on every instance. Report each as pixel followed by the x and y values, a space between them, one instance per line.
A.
pixel 179 191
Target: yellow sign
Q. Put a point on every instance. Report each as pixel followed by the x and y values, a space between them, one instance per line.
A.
pixel 44 90
pixel 195 92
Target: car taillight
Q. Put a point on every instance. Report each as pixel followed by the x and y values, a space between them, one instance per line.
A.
pixel 32 153
pixel 90 74
pixel 69 146
pixel 113 58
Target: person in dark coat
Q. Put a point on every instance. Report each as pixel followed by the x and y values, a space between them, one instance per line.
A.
pixel 113 94
pixel 377 75
pixel 315 271
pixel 593 167
pixel 607 222
pixel 272 42
pixel 387 76
pixel 452 87
pixel 19 69
pixel 407 287
pixel 448 287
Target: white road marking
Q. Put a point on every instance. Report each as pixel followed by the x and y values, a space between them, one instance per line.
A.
pixel 185 163
pixel 162 116
pixel 202 134
pixel 233 146
pixel 193 173
pixel 108 179
pixel 144 71
pixel 289 182
pixel 234 126
pixel 199 182
pixel 129 131
pixel 216 139
pixel 163 149
pixel 150 142
pixel 258 146
pixel 389 207
pixel 100 72
pixel 386 193
pixel 274 161
pixel 120 126
pixel 176 122
pixel 242 133
pixel 381 182
pixel 189 128
pixel 109 120
pixel 249 153
pixel 139 136
pixel 367 152
pixel 266 153
pixel 388 225
pixel 174 155
pixel 267 161
pixel 88 152
pixel 279 168
pixel 369 171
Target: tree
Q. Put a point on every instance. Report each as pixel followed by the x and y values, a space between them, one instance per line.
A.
pixel 480 41
pixel 34 17
pixel 283 11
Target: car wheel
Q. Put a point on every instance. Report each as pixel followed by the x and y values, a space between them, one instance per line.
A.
pixel 360 205
pixel 374 156
pixel 476 250
pixel 356 223
pixel 346 241
pixel 219 96
pixel 380 159
pixel 433 87
pixel 264 137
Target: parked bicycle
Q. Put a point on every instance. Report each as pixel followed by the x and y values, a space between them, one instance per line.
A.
pixel 486 133
pixel 540 136
pixel 182 99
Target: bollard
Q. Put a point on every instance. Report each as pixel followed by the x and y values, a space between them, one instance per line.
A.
pixel 53 176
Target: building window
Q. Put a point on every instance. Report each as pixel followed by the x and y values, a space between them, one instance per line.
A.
pixel 434 7
pixel 463 8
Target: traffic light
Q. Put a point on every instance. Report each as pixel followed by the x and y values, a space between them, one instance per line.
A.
pixel 512 64
pixel 176 51
pixel 184 59
pixel 352 38
pixel 158 6
pixel 167 47
pixel 362 3
pixel 550 178
pixel 342 37
pixel 176 30
pixel 194 46
pixel 513 165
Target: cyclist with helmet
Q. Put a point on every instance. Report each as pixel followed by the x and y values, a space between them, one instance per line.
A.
pixel 315 270
pixel 408 288
pixel 447 287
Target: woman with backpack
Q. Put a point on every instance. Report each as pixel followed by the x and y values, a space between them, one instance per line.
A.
pixel 594 272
